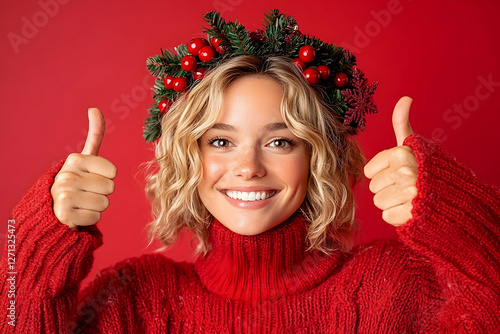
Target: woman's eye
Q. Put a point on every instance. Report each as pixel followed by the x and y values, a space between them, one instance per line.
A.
pixel 280 143
pixel 220 143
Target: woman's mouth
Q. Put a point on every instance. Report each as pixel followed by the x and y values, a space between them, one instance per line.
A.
pixel 249 196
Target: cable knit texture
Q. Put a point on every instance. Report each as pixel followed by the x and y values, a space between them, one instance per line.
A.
pixel 444 275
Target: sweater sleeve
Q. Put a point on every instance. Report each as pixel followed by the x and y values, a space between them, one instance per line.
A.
pixel 43 264
pixel 456 225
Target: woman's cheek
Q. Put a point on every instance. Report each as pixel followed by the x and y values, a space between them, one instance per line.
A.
pixel 213 168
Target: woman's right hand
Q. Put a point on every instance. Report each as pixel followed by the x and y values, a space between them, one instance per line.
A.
pixel 81 187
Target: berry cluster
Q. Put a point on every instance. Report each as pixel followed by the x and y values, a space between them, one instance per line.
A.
pixel 314 74
pixel 200 50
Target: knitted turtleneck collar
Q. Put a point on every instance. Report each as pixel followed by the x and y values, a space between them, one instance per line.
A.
pixel 265 266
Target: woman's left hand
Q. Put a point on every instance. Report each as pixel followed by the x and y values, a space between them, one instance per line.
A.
pixel 393 172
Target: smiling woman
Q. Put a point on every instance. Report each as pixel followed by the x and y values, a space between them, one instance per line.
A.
pixel 229 131
pixel 254 154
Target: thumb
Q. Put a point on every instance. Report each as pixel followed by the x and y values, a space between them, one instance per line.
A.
pixel 97 126
pixel 401 119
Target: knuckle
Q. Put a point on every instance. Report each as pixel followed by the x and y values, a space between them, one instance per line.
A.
pixel 66 178
pixel 65 218
pixel 62 214
pixel 64 198
pixel 405 170
pixel 395 152
pixel 412 191
pixel 399 153
pixel 57 210
pixel 74 160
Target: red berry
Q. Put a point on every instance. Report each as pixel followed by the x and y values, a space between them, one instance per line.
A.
pixel 307 53
pixel 207 53
pixel 324 71
pixel 180 84
pixel 311 75
pixel 168 82
pixel 189 63
pixel 215 41
pixel 216 44
pixel 196 44
pixel 164 105
pixel 299 63
pixel 340 79
pixel 199 73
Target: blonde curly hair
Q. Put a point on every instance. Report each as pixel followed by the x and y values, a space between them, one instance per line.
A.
pixel 335 166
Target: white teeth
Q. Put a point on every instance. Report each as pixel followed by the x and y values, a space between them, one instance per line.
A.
pixel 251 196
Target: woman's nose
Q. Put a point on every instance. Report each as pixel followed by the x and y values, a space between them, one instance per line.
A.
pixel 249 164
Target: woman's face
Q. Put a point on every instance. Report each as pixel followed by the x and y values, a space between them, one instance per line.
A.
pixel 255 169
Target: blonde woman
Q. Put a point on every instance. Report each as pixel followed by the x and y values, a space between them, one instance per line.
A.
pixel 260 168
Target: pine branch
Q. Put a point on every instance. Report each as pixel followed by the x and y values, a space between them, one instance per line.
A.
pixel 169 62
pixel 238 38
pixel 152 125
pixel 270 17
pixel 157 65
pixel 286 23
pixel 216 23
pixel 277 28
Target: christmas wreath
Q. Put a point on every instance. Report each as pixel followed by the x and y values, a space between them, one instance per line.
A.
pixel 328 68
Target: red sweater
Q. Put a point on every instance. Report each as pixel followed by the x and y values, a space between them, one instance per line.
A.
pixel 442 277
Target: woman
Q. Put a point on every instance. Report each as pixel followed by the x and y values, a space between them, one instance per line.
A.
pixel 258 165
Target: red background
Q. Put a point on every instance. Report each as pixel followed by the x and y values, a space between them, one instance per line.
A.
pixel 58 61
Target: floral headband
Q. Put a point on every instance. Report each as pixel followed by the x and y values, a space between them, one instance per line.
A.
pixel 328 68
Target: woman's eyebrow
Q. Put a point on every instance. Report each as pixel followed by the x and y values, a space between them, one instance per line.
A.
pixel 275 126
pixel 225 127
pixel 268 127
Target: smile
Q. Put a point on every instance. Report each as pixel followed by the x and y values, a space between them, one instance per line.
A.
pixel 250 196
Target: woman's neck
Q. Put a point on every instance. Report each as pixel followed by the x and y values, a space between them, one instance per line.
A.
pixel 264 266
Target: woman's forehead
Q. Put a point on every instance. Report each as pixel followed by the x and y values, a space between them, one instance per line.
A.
pixel 252 99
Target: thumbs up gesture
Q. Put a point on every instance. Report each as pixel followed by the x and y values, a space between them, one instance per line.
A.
pixel 81 187
pixel 393 172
